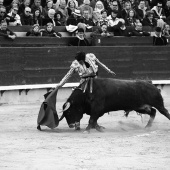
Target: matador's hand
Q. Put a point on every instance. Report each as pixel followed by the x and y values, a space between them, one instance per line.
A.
pixel 113 73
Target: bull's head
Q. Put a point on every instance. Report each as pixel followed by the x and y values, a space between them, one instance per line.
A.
pixel 73 109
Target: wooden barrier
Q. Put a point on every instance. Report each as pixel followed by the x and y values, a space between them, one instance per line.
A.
pixel 35 41
pixel 21 30
pixel 123 41
pixel 64 41
pixel 47 65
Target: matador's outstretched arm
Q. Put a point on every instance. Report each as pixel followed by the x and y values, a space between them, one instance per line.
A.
pixel 105 67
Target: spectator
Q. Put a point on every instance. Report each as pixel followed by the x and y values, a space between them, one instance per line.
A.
pixel 63 9
pixel 1 3
pixel 35 31
pixel 113 20
pixel 86 19
pixel 159 11
pixel 93 3
pixel 50 18
pixel 71 6
pixel 166 30
pixel 125 11
pixel 5 32
pixel 2 13
pixel 121 4
pixel 149 20
pixel 121 30
pixel 37 17
pixel 50 32
pixel 75 2
pixel 155 2
pixel 131 19
pixel 103 18
pixel 24 4
pixel 75 18
pixel 99 7
pixel 95 17
pixel 138 31
pixel 59 19
pixel 113 5
pixel 13 19
pixel 167 9
pixel 37 4
pixel 141 10
pixel 48 6
pixel 134 4
pixel 86 6
pixel 14 3
pixel 158 38
pixel 26 17
pixel 80 39
pixel 102 31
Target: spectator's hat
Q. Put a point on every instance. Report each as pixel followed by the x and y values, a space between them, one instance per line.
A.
pixel 158 29
pixel 49 24
pixel 87 2
pixel 76 12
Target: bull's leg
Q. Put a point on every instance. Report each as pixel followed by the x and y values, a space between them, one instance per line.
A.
pixel 147 109
pixel 39 127
pixel 77 126
pixel 90 125
pixel 152 117
pixel 99 128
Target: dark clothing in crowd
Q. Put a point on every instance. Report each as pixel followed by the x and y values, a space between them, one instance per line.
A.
pixel 74 21
pixel 53 21
pixel 32 33
pixel 167 11
pixel 88 22
pixel 78 42
pixel 147 22
pixel 118 31
pixel 50 34
pixel 2 17
pixel 26 20
pixel 6 32
pixel 159 40
pixel 140 33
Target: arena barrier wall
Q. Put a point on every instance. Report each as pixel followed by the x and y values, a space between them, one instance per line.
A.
pixel 28 73
pixel 48 65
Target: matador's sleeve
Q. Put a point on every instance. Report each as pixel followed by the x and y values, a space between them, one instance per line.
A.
pixel 103 66
pixel 73 68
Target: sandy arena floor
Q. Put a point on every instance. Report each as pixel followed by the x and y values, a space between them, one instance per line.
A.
pixel 125 144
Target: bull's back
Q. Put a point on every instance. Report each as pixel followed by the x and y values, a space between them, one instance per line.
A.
pixel 126 94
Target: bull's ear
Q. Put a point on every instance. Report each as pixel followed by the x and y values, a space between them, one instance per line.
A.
pixel 66 106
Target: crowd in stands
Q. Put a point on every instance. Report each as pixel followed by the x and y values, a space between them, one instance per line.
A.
pixel 113 17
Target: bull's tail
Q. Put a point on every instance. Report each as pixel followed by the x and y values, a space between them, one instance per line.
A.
pixel 164 111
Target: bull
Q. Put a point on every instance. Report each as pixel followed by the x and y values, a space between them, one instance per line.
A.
pixel 112 95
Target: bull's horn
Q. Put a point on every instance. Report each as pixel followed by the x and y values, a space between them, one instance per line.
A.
pixel 61 118
pixel 67 105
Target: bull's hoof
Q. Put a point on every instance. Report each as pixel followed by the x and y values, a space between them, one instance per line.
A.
pixel 99 128
pixel 148 126
pixel 86 131
pixel 39 127
pixel 77 128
